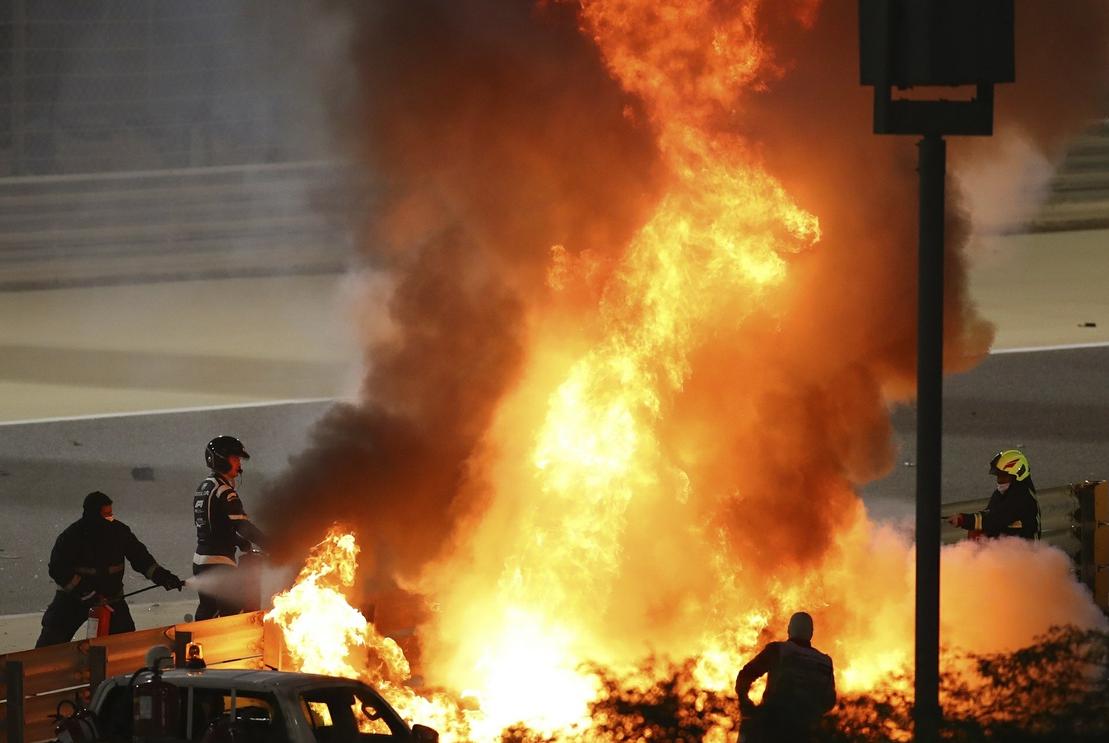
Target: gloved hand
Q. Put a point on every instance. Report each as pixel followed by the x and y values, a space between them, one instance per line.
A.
pixel 958 520
pixel 166 579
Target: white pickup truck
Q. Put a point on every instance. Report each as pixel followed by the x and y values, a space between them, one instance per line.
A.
pixel 241 706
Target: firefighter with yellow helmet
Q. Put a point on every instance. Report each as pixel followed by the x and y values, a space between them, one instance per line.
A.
pixel 1012 510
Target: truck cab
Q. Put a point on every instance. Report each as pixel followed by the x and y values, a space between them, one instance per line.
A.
pixel 244 706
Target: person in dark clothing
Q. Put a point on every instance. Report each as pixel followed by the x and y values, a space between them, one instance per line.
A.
pixel 800 688
pixel 222 527
pixel 1013 510
pixel 87 564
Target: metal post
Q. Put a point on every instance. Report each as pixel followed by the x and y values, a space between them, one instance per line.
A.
pixel 98 667
pixel 926 711
pixel 13 673
pixel 19 86
pixel 189 714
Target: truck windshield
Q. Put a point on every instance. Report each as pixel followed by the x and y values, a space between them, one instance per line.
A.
pixel 347 714
pixel 251 717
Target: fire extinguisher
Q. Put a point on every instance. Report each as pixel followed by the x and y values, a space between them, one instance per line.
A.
pixel 77 727
pixel 100 620
pixel 100 615
pixel 156 709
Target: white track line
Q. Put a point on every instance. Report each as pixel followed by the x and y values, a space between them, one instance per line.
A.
pixel 170 411
pixel 1064 347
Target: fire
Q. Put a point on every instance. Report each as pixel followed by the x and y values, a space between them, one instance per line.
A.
pixel 321 629
pixel 524 675
pixel 579 484
pixel 323 633
pixel 664 478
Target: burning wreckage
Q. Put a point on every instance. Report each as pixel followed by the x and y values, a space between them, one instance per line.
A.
pixel 649 305
pixel 329 674
pixel 650 295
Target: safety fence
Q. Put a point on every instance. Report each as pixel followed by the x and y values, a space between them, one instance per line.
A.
pixel 36 681
pixel 1074 518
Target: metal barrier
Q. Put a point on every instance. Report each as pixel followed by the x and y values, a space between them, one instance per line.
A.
pixel 1094 532
pixel 1074 518
pixel 36 681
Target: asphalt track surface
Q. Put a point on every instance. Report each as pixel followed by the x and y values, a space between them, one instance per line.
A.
pixel 1052 404
pixel 149 464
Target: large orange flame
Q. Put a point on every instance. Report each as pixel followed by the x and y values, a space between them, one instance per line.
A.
pixel 620 519
pixel 323 633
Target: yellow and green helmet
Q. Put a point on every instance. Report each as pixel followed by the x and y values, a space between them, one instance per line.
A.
pixel 1010 462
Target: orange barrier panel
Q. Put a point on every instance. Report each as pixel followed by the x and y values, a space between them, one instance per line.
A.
pixel 1095 540
pixel 227 638
pixel 59 672
pixel 38 714
pixel 127 652
pixel 51 667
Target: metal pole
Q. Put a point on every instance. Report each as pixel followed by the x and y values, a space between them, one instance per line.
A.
pixel 19 86
pixel 98 667
pixel 929 434
pixel 13 673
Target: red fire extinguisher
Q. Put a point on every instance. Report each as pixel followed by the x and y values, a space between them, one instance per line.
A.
pixel 155 707
pixel 100 615
pixel 100 620
pixel 79 726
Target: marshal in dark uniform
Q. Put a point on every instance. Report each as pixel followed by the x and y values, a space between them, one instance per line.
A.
pixel 222 529
pixel 87 563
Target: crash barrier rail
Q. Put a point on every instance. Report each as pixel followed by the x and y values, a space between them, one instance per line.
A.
pixel 1074 518
pixel 36 681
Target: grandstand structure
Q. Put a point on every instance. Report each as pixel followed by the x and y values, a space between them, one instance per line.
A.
pixel 150 140
pixel 1078 197
pixel 153 140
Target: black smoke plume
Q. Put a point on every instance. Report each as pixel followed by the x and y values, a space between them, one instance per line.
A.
pixel 491 133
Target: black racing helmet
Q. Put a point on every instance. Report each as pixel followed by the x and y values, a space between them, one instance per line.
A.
pixel 219 449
